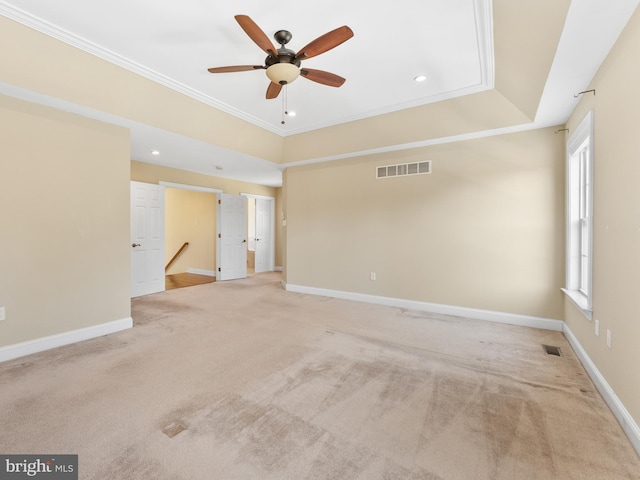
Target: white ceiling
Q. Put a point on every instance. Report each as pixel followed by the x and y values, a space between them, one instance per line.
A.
pixel 174 43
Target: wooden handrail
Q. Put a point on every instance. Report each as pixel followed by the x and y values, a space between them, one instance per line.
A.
pixel 184 245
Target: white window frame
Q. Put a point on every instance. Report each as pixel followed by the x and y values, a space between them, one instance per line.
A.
pixel 579 249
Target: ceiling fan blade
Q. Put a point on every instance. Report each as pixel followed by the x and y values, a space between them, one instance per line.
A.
pixel 325 42
pixel 235 68
pixel 256 34
pixel 273 90
pixel 320 76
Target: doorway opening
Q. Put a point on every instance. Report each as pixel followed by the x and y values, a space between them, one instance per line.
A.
pixel 190 223
pixel 192 233
pixel 260 233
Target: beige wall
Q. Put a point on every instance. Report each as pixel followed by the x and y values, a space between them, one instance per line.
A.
pixel 64 211
pixel 616 269
pixel 144 172
pixel 485 230
pixel 190 216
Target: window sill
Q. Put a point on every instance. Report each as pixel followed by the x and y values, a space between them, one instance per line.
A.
pixel 580 301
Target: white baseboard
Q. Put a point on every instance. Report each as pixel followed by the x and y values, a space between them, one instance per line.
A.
pixel 277 269
pixel 46 343
pixel 627 422
pixel 200 271
pixel 500 317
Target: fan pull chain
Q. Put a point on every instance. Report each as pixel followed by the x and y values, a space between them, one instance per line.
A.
pixel 284 103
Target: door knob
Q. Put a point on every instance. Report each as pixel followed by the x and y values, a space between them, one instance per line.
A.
pixel 134 245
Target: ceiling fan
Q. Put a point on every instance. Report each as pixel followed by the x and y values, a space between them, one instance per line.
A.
pixel 282 64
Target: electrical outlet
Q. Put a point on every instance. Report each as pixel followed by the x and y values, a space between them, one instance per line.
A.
pixel 608 338
pixel 372 276
pixel 597 327
pixel 2 314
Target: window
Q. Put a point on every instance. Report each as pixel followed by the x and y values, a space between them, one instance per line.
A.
pixel 580 215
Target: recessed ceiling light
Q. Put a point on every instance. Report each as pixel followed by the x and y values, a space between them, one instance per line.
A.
pixel 291 114
pixel 155 152
pixel 420 78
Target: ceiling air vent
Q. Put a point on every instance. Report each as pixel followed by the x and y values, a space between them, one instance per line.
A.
pixel 404 169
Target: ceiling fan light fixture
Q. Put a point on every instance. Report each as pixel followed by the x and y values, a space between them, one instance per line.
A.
pixel 283 73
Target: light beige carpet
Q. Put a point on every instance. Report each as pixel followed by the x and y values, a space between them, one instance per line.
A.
pixel 242 380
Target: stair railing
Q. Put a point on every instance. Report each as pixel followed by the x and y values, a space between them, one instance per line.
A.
pixel 180 250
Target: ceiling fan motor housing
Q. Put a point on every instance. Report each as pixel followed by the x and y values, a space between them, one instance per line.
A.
pixel 288 72
pixel 284 56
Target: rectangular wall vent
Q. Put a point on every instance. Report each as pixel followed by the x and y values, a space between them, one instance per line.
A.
pixel 404 169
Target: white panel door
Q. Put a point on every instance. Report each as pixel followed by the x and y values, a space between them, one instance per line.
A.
pixel 231 241
pixel 147 239
pixel 263 235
